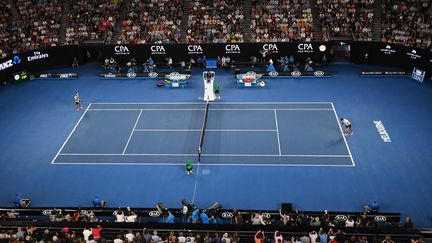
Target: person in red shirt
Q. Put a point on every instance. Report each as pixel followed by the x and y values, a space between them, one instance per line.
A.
pixel 97 232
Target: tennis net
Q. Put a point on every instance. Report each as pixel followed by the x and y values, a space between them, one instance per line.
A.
pixel 204 125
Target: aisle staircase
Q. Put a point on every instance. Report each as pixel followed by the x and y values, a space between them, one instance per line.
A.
pixel 316 22
pixel 184 22
pixel 123 11
pixel 247 33
pixel 63 22
pixel 376 24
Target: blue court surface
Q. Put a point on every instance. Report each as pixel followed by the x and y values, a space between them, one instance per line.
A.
pixel 260 134
pixel 262 146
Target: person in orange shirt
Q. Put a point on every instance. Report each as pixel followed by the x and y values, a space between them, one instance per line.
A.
pixel 259 237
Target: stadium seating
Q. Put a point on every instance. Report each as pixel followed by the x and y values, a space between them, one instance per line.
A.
pixel 215 21
pixel 285 20
pixel 407 22
pixel 346 18
pixel 91 20
pixel 151 21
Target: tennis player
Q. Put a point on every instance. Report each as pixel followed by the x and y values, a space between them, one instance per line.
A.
pixel 77 101
pixel 347 125
pixel 189 167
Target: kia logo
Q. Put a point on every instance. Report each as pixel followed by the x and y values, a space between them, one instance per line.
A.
pixel 153 74
pixel 131 75
pixel 318 73
pixel 227 215
pixel 251 73
pixel 341 218
pixel 380 218
pixel 266 215
pixel 273 74
pixel 296 73
pixel 154 214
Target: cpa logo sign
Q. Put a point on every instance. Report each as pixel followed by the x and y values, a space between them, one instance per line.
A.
pixel 270 47
pixel 232 49
pixel 121 50
pixel 305 48
pixel 194 49
pixel 158 50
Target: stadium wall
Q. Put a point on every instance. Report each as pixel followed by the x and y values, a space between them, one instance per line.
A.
pixel 377 54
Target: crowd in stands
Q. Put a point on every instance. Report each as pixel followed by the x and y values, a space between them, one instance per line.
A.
pixel 345 18
pixel 97 234
pixel 152 21
pixel 5 17
pixel 93 19
pixel 218 21
pixel 38 26
pixel 281 20
pixel 407 22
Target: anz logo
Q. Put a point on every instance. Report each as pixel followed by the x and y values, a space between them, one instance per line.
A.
pixel 9 63
pixel 232 48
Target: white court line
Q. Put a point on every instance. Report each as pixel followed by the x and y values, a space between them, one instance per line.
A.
pixel 242 164
pixel 212 109
pixel 277 132
pixel 70 134
pixel 342 133
pixel 221 155
pixel 196 183
pixel 200 103
pixel 130 136
pixel 207 130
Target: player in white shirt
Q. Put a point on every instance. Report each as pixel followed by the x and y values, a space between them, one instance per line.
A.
pixel 77 101
pixel 347 125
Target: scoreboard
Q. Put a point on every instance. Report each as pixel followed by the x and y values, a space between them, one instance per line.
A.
pixel 418 74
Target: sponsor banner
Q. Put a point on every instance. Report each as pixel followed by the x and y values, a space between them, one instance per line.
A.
pixel 37 55
pixel 393 55
pixel 140 75
pixel 383 73
pixel 55 75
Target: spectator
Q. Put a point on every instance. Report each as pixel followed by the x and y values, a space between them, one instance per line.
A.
pixel 278 237
pixel 21 202
pixel 259 237
pixel 257 219
pixel 130 236
pixel 96 232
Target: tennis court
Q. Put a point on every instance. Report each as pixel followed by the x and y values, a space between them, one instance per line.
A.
pixel 235 133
